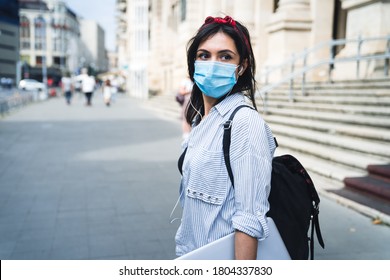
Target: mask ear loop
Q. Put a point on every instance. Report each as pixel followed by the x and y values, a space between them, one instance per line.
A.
pixel 230 91
pixel 172 220
pixel 197 112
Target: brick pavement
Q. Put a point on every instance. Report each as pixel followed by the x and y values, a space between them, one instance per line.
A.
pixel 81 182
pixel 99 183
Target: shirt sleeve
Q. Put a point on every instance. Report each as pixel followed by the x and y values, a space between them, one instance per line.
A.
pixel 252 149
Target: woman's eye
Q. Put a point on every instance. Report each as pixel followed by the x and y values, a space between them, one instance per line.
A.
pixel 226 57
pixel 203 56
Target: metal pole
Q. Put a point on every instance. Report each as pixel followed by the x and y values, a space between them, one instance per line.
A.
pixel 43 30
pixel 331 60
pixel 291 94
pixel 386 68
pixel 358 56
pixel 304 73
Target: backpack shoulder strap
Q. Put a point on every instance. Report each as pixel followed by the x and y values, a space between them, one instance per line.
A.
pixel 227 139
pixel 180 161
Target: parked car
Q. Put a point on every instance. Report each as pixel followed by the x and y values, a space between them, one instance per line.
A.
pixel 39 89
pixel 31 84
pixel 6 82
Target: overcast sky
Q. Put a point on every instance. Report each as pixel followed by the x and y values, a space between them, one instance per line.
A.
pixel 102 11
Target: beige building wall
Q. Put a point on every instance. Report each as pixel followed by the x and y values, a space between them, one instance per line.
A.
pixel 279 30
pixel 92 37
pixel 138 48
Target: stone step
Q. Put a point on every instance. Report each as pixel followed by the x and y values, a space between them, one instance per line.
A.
pixel 366 120
pixel 328 179
pixel 355 84
pixel 380 171
pixel 363 146
pixel 368 92
pixel 322 168
pixel 334 108
pixel 325 99
pixel 366 132
pixel 332 154
pixel 164 108
pixel 361 201
pixel 369 184
pixel 371 84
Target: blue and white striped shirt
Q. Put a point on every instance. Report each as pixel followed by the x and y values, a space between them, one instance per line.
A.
pixel 212 208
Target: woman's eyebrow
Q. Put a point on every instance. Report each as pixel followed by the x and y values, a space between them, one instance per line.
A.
pixel 221 51
pixel 227 50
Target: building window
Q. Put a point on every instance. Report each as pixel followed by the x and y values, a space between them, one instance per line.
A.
pixel 174 17
pixel 25 58
pixel 57 39
pixel 24 33
pixel 38 60
pixel 57 60
pixel 183 14
pixel 40 33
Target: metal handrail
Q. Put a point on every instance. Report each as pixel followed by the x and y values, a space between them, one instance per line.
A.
pixel 331 61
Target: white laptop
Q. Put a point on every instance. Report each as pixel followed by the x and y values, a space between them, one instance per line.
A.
pixel 272 248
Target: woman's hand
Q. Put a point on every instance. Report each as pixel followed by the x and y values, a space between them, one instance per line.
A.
pixel 245 246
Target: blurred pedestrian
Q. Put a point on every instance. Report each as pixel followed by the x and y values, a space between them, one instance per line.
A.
pixel 222 65
pixel 184 95
pixel 67 87
pixel 87 86
pixel 107 92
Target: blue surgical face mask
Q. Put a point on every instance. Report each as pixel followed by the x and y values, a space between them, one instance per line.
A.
pixel 215 79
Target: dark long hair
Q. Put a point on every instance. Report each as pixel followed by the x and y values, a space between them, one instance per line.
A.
pixel 246 83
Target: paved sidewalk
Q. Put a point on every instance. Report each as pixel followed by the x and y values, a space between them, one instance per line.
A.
pixel 81 182
pixel 95 183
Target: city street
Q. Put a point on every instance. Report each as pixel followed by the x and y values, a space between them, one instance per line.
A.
pixel 100 182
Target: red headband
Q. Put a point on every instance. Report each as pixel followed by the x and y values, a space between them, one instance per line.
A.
pixel 226 20
pixel 229 21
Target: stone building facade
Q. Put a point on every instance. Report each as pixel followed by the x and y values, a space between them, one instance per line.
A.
pixel 49 38
pixel 9 38
pixel 157 32
pixel 54 39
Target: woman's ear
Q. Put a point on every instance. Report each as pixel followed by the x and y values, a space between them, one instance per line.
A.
pixel 242 67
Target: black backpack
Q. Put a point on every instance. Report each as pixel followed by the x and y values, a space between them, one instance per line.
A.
pixel 294 201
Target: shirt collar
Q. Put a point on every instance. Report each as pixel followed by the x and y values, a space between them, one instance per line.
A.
pixel 231 101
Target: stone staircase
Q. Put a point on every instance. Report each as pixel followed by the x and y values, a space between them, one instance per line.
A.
pixel 377 181
pixel 336 130
pixel 165 106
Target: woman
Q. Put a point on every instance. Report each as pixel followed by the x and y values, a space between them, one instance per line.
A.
pixel 67 87
pixel 185 91
pixel 107 92
pixel 222 66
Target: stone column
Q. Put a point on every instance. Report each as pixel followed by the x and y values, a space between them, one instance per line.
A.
pixel 288 5
pixel 244 11
pixel 211 8
pixel 289 31
pixel 263 11
pixel 322 28
pixel 365 18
